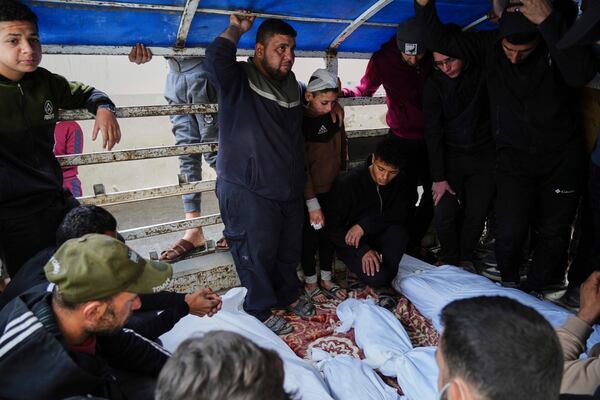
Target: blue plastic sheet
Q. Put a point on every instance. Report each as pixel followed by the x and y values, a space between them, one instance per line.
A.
pixel 72 24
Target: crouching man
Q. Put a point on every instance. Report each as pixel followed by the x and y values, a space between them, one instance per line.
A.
pixel 367 214
pixel 69 341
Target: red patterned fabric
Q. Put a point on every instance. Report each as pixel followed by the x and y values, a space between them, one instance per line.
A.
pixel 318 331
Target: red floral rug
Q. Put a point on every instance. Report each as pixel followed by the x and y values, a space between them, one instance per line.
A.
pixel 318 331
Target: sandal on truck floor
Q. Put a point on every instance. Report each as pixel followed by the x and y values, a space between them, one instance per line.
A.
pixel 180 249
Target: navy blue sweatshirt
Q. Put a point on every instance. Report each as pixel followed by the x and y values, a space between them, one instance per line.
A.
pixel 260 126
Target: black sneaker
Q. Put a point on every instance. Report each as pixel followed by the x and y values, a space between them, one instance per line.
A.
pixel 492 273
pixel 536 294
pixel 571 298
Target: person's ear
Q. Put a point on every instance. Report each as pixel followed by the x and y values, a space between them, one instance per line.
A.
pixel 308 96
pixel 92 311
pixel 259 50
pixel 459 390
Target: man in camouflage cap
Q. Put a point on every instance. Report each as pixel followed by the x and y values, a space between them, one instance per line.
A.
pixel 71 336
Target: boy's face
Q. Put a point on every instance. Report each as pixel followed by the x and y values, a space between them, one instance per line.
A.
pixel 20 49
pixel 382 172
pixel 321 103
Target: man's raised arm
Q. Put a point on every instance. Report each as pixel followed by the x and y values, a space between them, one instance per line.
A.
pixel 239 24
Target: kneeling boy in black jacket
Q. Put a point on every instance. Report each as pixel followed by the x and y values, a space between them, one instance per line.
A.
pixel 367 215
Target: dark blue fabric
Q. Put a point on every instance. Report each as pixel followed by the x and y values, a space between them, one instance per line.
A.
pixel 265 238
pixel 62 24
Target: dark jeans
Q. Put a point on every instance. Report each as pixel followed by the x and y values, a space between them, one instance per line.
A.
pixel 391 244
pixel 459 219
pixel 416 166
pixel 22 237
pixel 316 240
pixel 587 259
pixel 265 239
pixel 541 191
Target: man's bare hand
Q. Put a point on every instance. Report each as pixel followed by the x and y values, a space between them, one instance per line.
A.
pixel 242 20
pixel 140 54
pixel 316 217
pixel 337 113
pixel 438 189
pixel 354 235
pixel 106 122
pixel 203 302
pixel 371 263
pixel 535 11
pixel 589 311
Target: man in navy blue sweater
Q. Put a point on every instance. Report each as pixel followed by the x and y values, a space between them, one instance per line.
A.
pixel 260 165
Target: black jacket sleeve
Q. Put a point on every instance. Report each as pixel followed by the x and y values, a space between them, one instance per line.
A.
pixel 152 324
pixel 469 46
pixel 161 301
pixel 338 212
pixel 576 64
pixel 130 351
pixel 434 131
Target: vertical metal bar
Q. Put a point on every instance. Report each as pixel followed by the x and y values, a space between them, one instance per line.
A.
pixel 189 11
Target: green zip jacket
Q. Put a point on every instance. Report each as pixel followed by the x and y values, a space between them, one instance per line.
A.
pixel 30 176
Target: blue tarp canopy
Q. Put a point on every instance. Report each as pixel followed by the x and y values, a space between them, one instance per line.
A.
pixel 349 26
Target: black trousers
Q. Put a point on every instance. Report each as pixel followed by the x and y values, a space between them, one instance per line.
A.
pixel 540 191
pixel 23 237
pixel 265 239
pixel 314 241
pixel 416 166
pixel 391 244
pixel 587 259
pixel 459 219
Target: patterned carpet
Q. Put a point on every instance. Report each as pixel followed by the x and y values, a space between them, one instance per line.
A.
pixel 318 331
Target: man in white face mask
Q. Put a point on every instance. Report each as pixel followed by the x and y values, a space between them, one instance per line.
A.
pixel 494 348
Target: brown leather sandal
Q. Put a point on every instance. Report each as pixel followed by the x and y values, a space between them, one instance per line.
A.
pixel 180 249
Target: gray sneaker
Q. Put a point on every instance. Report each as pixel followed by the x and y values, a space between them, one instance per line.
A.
pixel 278 325
pixel 303 307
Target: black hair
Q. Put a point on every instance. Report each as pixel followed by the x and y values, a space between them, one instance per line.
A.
pixel 83 220
pixel 389 152
pixel 271 27
pixel 522 38
pixel 503 349
pixel 222 365
pixel 11 10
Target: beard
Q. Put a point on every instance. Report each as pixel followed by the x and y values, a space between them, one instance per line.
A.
pixel 274 73
pixel 108 323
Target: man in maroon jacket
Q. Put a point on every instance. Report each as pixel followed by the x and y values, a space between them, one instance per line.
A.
pixel 402 66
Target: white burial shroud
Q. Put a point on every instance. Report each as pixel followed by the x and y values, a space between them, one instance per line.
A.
pixel 430 288
pixel 300 377
pixel 388 348
pixel 349 378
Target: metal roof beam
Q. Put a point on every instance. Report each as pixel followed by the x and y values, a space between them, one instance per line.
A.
pixel 179 9
pixel 189 11
pixel 361 20
pixel 170 51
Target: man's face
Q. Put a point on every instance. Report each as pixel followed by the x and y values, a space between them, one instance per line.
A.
pixel 276 56
pixel 117 313
pixel 20 49
pixel 321 103
pixel 452 67
pixel 517 53
pixel 412 60
pixel 383 173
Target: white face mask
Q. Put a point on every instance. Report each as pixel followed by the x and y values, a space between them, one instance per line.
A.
pixel 441 395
